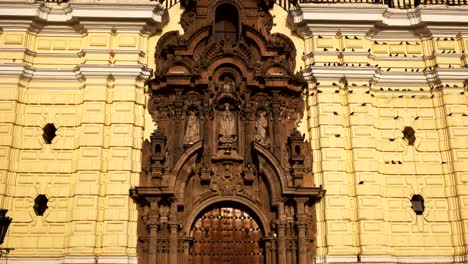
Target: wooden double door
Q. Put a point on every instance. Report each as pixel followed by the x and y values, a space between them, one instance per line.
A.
pixel 226 235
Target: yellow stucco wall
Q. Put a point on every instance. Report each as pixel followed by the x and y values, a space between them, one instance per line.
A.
pixel 91 86
pixel 367 167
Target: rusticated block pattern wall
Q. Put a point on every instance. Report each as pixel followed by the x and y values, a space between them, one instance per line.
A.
pixel 88 80
pixel 89 166
pixel 364 90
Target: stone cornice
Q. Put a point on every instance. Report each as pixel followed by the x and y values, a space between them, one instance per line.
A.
pixel 382 78
pixel 332 72
pixel 147 18
pixel 387 259
pixel 319 18
pixel 74 74
pixel 137 71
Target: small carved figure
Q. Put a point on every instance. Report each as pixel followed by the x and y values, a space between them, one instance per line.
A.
pixel 164 211
pixel 192 132
pixel 228 84
pixel 261 126
pixel 227 124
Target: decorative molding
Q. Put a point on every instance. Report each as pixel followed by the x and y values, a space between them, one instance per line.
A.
pixel 389 259
pixel 75 260
pixel 139 71
pixel 296 22
pixel 147 18
pixel 381 77
pixel 321 18
pixel 54 12
pixel 401 17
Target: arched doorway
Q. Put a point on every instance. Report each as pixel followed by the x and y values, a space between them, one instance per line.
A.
pixel 225 235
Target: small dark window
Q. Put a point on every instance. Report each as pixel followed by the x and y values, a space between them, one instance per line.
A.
pixel 409 135
pixel 157 148
pixel 417 204
pixel 40 204
pixel 297 150
pixel 49 133
pixel 226 23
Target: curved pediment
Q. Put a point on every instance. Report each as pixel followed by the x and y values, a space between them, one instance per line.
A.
pixel 264 59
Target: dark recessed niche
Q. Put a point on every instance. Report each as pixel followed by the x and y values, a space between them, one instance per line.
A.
pixel 227 21
pixel 157 149
pixel 409 135
pixel 40 204
pixel 417 204
pixel 49 133
pixel 297 149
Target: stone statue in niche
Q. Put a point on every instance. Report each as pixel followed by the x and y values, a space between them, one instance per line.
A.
pixel 227 134
pixel 164 211
pixel 261 126
pixel 227 123
pixel 192 131
pixel 228 85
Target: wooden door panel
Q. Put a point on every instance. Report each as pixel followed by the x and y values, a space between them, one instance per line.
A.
pixel 225 236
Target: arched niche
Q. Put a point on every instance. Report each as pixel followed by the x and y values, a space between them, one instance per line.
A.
pixel 226 24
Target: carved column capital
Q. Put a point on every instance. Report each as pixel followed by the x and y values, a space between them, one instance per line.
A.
pixel 153 200
pixel 301 201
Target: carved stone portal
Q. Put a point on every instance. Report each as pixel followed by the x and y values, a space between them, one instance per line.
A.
pixel 226 177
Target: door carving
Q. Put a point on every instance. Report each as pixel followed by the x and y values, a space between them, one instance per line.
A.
pixel 226 177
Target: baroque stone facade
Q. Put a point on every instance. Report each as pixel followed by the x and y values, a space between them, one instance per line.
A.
pixel 227 104
pixel 208 131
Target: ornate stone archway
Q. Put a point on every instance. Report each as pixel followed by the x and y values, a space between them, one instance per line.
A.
pixel 227 232
pixel 227 103
pixel 236 202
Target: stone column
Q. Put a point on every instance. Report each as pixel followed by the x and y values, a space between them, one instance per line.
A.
pixel 281 235
pixel 301 241
pixel 274 247
pixel 276 135
pixel 267 251
pixel 152 244
pixel 301 230
pixel 153 229
pixel 173 237
pixel 178 125
pixel 173 243
pixel 184 252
